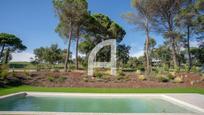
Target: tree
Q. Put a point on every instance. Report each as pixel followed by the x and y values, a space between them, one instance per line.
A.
pixel 165 14
pixel 50 55
pixel 101 28
pixel 80 25
pixel 11 43
pixel 122 54
pixel 198 55
pixel 142 20
pixel 200 21
pixel 68 12
pixel 163 54
pixel 185 20
pixel 133 63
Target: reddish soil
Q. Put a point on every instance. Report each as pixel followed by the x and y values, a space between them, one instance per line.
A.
pixel 77 79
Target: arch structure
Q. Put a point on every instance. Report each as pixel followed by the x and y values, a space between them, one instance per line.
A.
pixel 92 56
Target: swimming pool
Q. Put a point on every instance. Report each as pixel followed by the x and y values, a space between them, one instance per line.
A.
pixel 92 103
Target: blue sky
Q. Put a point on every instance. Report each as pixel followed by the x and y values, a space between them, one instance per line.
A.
pixel 34 21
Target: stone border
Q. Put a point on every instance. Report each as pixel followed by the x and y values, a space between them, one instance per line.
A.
pixel 166 97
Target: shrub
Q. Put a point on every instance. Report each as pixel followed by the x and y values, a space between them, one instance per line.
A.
pixel 177 69
pixel 141 77
pixel 98 75
pixel 127 78
pixel 4 74
pixel 107 78
pixel 138 72
pixel 61 79
pixel 120 77
pixel 178 80
pixel 162 78
pixel 13 74
pixel 186 68
pixel 51 78
pixel 165 67
pixel 173 73
pixel 26 73
pixel 170 76
pixel 195 69
pixel 56 70
pixel 4 71
pixel 120 73
pixel 85 79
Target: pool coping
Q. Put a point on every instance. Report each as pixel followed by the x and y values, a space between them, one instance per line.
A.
pixel 177 98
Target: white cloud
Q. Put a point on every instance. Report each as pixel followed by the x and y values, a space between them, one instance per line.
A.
pixel 194 43
pixel 22 57
pixel 137 54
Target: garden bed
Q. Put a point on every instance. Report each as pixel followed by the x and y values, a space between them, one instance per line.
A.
pixel 79 79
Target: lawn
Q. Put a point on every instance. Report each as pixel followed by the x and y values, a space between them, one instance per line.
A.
pixel 5 91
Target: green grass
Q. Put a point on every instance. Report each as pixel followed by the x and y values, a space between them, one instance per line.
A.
pixel 5 91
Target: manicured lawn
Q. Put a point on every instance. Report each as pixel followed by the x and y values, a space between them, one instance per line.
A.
pixel 4 91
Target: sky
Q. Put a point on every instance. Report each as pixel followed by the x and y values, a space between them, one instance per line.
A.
pixel 34 21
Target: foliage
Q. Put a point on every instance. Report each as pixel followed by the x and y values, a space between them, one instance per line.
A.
pixel 195 69
pixel 122 54
pixel 141 77
pixel 71 14
pixel 11 43
pixel 142 20
pixel 53 78
pixel 4 71
pixel 162 78
pixel 120 73
pixel 178 80
pixel 171 76
pixel 98 74
pixel 103 29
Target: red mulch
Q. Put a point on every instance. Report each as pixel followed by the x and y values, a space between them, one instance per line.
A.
pixel 76 79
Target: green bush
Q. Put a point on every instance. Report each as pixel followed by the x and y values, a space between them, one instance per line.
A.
pixel 162 78
pixel 177 69
pixel 26 73
pixel 98 74
pixel 4 71
pixel 51 78
pixel 138 72
pixel 165 67
pixel 4 74
pixel 120 73
pixel 120 77
pixel 61 79
pixel 56 70
pixel 170 76
pixel 195 69
pixel 186 68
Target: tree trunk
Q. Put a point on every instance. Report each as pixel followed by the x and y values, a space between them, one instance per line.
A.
pixel 6 56
pixel 174 54
pixel 77 44
pixel 68 51
pixel 148 65
pixel 2 50
pixel 188 49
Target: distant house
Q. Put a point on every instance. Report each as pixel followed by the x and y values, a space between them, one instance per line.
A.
pixel 156 62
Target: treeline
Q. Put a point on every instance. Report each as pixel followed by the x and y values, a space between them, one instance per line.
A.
pixel 78 24
pixel 179 22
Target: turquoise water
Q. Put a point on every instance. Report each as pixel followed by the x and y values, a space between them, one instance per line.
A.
pixel 88 104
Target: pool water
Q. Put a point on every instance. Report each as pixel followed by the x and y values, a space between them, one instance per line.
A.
pixel 90 104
